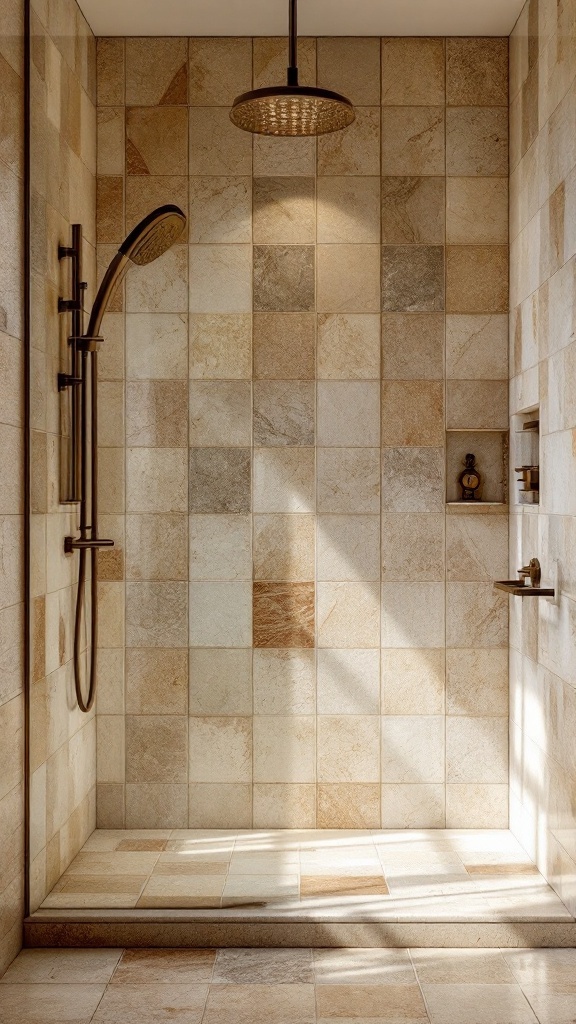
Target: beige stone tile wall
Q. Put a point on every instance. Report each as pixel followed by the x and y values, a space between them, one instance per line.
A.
pixel 63 740
pixel 542 354
pixel 311 639
pixel 12 489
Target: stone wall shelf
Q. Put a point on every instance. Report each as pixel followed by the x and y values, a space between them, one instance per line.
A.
pixel 517 589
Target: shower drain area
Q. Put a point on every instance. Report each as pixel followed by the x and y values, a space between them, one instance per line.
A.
pixel 440 887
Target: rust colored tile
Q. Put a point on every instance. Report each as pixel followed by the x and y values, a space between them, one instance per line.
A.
pixel 137 845
pixel 344 885
pixel 283 614
pixel 39 639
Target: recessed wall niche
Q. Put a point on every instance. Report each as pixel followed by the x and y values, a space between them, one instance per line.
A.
pixel 526 452
pixel 490 448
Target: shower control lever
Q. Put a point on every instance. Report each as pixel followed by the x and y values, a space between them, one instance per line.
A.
pixel 70 544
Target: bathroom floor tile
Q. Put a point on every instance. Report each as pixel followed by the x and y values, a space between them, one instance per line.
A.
pixel 167 966
pixel 343 885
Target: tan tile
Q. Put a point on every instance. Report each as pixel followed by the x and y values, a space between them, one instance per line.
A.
pixel 413 210
pixel 291 156
pixel 284 748
pixel 156 748
pixel 348 414
pixel 284 278
pixel 413 749
pixel 156 614
pixel 172 867
pixel 284 346
pixel 413 141
pixel 276 1004
pixel 400 57
pixel 477 210
pixel 284 480
pixel 413 278
pixel 160 287
pixel 284 547
pixel 478 1002
pixel 263 966
pixel 348 278
pixel 220 69
pixel 291 805
pixel 110 71
pixel 156 414
pixel 220 750
pixel 156 681
pixel 220 548
pixel 413 682
pixel 476 806
pixel 412 346
pixel 348 480
pixel 128 884
pixel 220 614
pixel 348 749
pixel 355 150
pixel 477 72
pixel 220 413
pixel 156 72
pixel 283 615
pixel 468 605
pixel 476 279
pixel 348 346
pixel 219 480
pixel 416 805
pixel 413 615
pixel 335 887
pixel 146 1003
pixel 156 805
pixel 283 413
pixel 220 279
pixel 370 1002
pixel 217 805
pixel 476 750
pixel 146 192
pixel 156 346
pixel 362 966
pixel 348 209
pixel 220 346
pixel 183 891
pixel 351 67
pixel 284 682
pixel 348 548
pixel 136 845
pixel 346 805
pixel 412 413
pixel 477 682
pixel 477 347
pixel 477 141
pixel 110 207
pixel 348 615
pixel 220 682
pixel 46 1003
pixel 221 209
pixel 476 552
pixel 270 59
pixel 216 145
pixel 69 966
pixel 156 140
pixel 284 210
pixel 172 966
pixel 413 547
pixel 156 547
pixel 477 405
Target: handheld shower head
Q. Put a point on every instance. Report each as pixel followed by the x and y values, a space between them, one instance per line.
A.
pixel 151 238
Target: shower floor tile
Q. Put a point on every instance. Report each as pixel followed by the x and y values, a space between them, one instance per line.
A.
pixel 400 876
pixel 303 986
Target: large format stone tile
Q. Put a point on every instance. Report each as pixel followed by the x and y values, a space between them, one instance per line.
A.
pixel 169 966
pixel 263 967
pixel 46 1003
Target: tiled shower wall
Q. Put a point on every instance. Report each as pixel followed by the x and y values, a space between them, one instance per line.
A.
pixel 543 360
pixel 296 629
pixel 63 165
pixel 11 482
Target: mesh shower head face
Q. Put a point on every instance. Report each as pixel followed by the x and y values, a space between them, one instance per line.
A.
pixel 154 235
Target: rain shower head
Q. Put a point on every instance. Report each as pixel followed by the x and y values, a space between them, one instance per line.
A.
pixel 151 238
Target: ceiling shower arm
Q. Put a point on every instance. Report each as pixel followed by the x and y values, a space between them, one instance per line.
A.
pixel 293 44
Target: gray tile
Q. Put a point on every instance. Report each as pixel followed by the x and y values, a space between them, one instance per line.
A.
pixel 283 413
pixel 284 278
pixel 263 966
pixel 220 480
pixel 412 278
